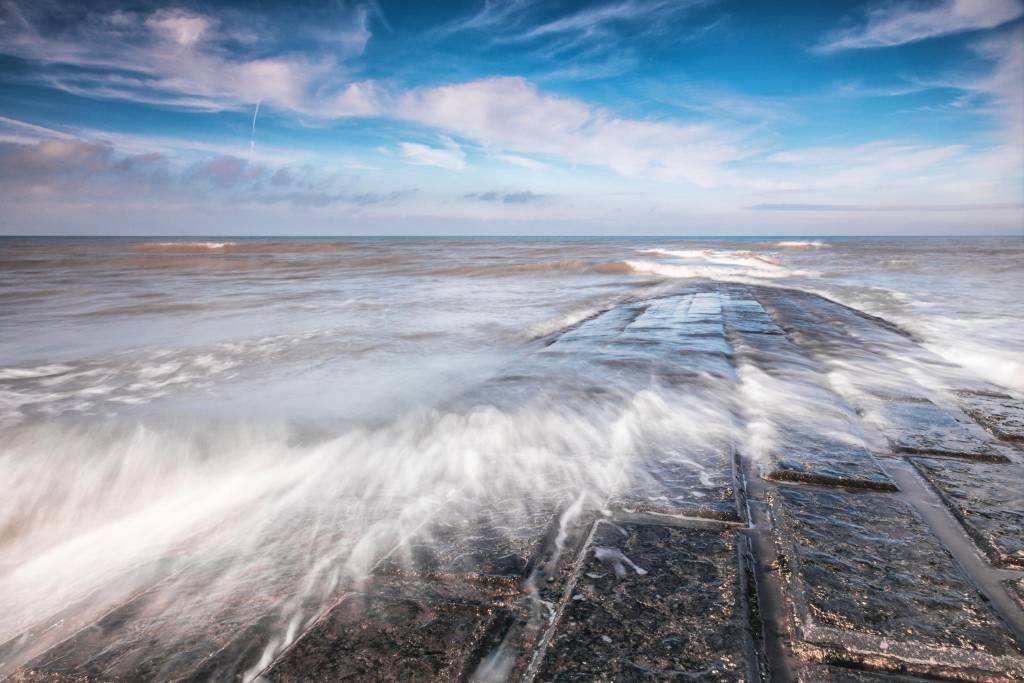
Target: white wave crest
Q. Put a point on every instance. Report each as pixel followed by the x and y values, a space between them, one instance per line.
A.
pixel 716 272
pixel 803 245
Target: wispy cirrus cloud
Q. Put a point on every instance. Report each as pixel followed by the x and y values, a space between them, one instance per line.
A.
pixel 512 116
pixel 603 20
pixel 450 156
pixel 184 58
pixel 599 38
pixel 494 196
pixel 900 23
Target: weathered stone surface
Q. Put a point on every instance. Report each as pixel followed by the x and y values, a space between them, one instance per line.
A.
pixel 705 327
pixel 988 499
pixel 754 325
pixel 52 629
pixel 491 546
pixel 704 306
pixel 602 327
pixel 772 353
pixel 806 456
pixel 1000 414
pixel 688 344
pixel 872 586
pixel 654 602
pixel 925 428
pixel 822 673
pixel 383 638
pixel 1015 587
pixel 701 486
pixel 689 367
pixel 171 631
pixel 748 316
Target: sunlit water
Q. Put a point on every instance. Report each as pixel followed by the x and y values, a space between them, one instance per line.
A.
pixel 275 416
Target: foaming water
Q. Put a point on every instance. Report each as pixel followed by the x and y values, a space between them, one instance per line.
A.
pixel 235 431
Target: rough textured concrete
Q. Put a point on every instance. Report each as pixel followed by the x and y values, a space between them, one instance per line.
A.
pixel 809 457
pixel 654 602
pixel 494 546
pixel 701 487
pixel 822 673
pixel 384 638
pixel 925 428
pixel 871 585
pixel 988 499
pixel 1000 414
pixel 1015 588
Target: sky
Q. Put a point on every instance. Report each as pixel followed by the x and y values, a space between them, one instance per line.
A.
pixel 495 117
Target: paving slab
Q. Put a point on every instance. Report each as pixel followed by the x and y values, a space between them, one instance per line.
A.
pixel 169 632
pixel 713 343
pixel 924 428
pixel 823 673
pixel 988 499
pixel 748 316
pixel 386 638
pixel 602 327
pixel 699 367
pixel 703 305
pixel 661 313
pixel 1000 414
pixel 871 585
pixel 708 327
pixel 803 455
pixel 491 546
pixel 698 486
pixel 1015 587
pixel 654 603
pixel 772 353
pixel 52 629
pixel 510 653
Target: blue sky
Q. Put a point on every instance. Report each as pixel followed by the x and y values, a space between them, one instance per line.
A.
pixel 512 117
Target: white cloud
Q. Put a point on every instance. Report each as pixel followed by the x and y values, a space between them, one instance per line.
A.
pixel 900 23
pixel 450 156
pixel 594 21
pixel 180 26
pixel 510 115
pixel 182 58
pixel 884 168
pixel 522 162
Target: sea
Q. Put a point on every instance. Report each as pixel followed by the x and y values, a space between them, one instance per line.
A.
pixel 259 421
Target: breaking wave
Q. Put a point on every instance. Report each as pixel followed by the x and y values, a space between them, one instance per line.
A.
pixel 802 245
pixel 243 247
pixel 723 265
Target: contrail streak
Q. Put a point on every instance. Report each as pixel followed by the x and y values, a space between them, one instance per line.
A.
pixel 252 134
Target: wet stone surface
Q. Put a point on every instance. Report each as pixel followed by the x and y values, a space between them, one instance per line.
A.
pixel 493 546
pixel 127 643
pixel 698 487
pixel 654 603
pixel 925 428
pixel 822 673
pixel 1015 587
pixel 871 585
pixel 772 353
pixel 661 582
pixel 386 638
pixel 747 316
pixel 988 499
pixel 1000 414
pixel 805 456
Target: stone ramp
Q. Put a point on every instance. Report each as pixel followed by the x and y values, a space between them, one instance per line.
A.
pixel 793 551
